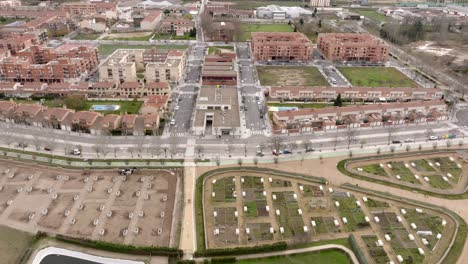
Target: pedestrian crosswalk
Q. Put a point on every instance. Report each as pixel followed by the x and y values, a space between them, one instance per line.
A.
pixel 257 132
pixel 178 134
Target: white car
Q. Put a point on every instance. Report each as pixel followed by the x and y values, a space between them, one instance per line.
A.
pixel 173 122
pixel 433 138
pixel 176 107
pixel 76 152
pixel 409 140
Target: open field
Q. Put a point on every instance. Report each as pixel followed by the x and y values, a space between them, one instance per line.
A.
pixel 376 77
pixel 106 49
pixel 217 49
pixel 431 171
pixel 248 5
pixel 87 36
pixel 372 14
pixel 135 36
pixel 13 244
pixel 325 257
pixel 249 28
pixel 290 75
pixel 92 204
pixel 186 36
pixel 129 107
pixel 303 210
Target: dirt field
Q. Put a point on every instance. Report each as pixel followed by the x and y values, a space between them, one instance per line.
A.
pixel 98 204
pixel 301 211
pixel 290 76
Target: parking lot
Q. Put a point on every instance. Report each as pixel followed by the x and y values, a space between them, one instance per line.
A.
pixel 97 204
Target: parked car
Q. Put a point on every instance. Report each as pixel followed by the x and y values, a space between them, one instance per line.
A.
pixel 260 153
pixel 309 149
pixel 47 149
pixel 409 140
pixel 76 152
pixel 173 122
pixel 176 107
pixel 22 145
pixel 433 138
pixel 128 171
pixel 396 142
pixel 286 151
pixel 276 153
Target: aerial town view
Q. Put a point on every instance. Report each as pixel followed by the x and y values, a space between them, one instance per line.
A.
pixel 233 131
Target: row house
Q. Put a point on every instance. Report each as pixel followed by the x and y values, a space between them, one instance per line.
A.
pixel 81 122
pixel 373 115
pixel 375 94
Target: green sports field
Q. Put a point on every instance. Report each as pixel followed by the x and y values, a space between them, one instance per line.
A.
pixel 249 28
pixel 376 77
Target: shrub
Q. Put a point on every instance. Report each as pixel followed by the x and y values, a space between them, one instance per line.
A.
pixel 241 250
pixel 223 260
pixel 357 250
pixel 120 248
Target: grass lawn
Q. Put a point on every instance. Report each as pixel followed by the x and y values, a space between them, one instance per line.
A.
pixel 186 36
pixel 371 203
pixel 216 49
pixel 86 36
pixel 8 20
pixel 422 165
pixel 374 169
pixel 324 256
pixel 248 5
pixel 249 28
pixel 436 181
pixel 251 209
pixel 372 14
pixel 106 49
pixel 376 77
pixel 377 253
pixel 135 38
pixel 398 168
pixel 290 76
pixel 13 244
pixel 129 107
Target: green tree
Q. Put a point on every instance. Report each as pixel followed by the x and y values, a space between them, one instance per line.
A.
pixel 167 12
pixel 75 102
pixel 320 23
pixel 301 21
pixel 193 32
pixel 338 102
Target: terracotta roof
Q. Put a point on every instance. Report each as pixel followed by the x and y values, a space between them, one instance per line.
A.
pixel 7 85
pixel 129 85
pixel 57 113
pixel 6 106
pixel 157 101
pixel 152 16
pixel 157 85
pixel 28 109
pixel 128 121
pixel 151 120
pixel 34 86
pixel 88 117
pixel 105 85
pixel 109 120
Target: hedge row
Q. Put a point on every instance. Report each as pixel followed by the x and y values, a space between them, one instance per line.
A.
pixel 127 249
pixel 223 260
pixel 241 250
pixel 357 250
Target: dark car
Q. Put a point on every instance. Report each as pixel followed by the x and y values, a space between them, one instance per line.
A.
pixel 286 151
pixel 396 142
pixel 309 150
pixel 260 153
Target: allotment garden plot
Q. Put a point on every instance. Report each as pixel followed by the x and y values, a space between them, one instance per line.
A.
pixel 436 172
pixel 93 204
pixel 249 208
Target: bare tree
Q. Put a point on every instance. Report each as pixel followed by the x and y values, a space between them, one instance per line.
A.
pixel 140 144
pixel 276 143
pixel 37 142
pixel 173 146
pixel 229 149
pixel 67 148
pixel 154 148
pixel 292 146
pixel 336 140
pixel 199 149
pixel 307 144
pixel 363 142
pixel 351 135
pixel 391 130
pixel 429 132
pixel 50 143
pixel 245 150
pixel 131 150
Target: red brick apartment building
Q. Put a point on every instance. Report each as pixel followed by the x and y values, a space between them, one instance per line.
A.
pixel 352 47
pixel 219 70
pixel 82 8
pixel 49 65
pixel 291 46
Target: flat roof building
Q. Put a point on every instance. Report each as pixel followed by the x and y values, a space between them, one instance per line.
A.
pixel 352 47
pixel 285 46
pixel 219 70
pixel 217 112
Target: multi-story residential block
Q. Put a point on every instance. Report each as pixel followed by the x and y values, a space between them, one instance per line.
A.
pixel 49 65
pixel 153 65
pixel 223 10
pixel 151 20
pixel 304 93
pixel 352 47
pixel 371 115
pixel 107 9
pixel 8 4
pixel 16 43
pixel 219 69
pixel 217 112
pixel 274 46
pixel 317 3
pixel 177 26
